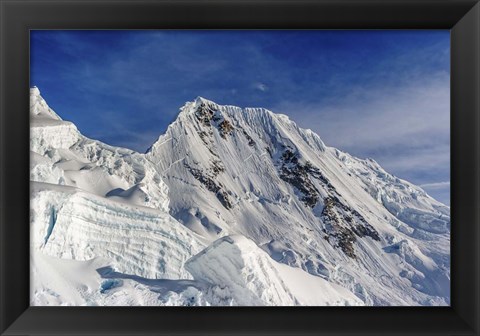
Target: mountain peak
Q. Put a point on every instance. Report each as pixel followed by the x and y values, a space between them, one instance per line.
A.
pixel 201 99
pixel 34 91
pixel 39 109
pixel 192 106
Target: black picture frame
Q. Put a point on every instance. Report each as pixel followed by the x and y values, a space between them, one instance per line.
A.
pixel 17 17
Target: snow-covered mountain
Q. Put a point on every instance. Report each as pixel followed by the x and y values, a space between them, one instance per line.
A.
pixel 230 206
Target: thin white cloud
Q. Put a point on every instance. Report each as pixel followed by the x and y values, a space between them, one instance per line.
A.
pixel 438 190
pixel 261 86
pixel 380 117
pixel 436 185
pixel 429 158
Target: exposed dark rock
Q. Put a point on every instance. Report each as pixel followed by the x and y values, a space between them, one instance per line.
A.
pixel 209 182
pixel 269 151
pixel 225 128
pixel 217 167
pixel 316 173
pixel 297 175
pixel 207 141
pixel 204 136
pixel 345 239
pixel 251 142
pixel 205 113
pixel 366 230
pixel 209 116
pixel 304 185
pixel 224 199
pixel 344 225
pixel 363 228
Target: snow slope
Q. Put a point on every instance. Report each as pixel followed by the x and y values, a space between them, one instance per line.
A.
pixel 250 277
pixel 101 233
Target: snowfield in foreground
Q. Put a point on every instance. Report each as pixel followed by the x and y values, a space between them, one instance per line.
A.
pixel 230 206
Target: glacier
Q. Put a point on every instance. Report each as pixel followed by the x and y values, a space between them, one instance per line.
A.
pixel 231 206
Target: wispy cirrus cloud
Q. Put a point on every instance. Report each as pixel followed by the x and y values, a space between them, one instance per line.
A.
pixel 261 86
pixel 437 185
pixel 369 118
pixel 440 190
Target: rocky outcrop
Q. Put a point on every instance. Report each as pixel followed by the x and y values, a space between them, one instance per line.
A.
pixel 298 175
pixel 209 116
pixel 251 142
pixel 343 225
pixel 208 180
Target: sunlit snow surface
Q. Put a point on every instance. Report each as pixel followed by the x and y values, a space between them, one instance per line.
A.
pixel 229 207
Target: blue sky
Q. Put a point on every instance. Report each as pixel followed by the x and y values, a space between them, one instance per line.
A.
pixel 379 94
